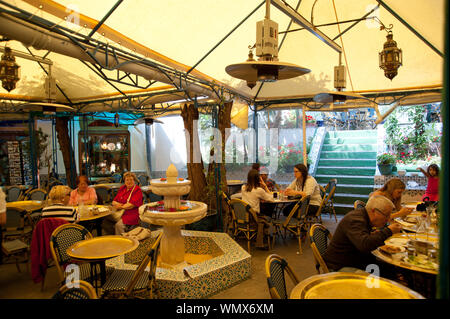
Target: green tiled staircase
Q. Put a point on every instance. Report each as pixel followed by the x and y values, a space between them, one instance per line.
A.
pixel 350 157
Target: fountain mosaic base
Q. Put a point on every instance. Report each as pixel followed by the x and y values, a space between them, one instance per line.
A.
pixel 215 263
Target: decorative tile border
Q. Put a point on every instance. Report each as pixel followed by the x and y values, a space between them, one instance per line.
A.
pixel 231 265
pixel 316 148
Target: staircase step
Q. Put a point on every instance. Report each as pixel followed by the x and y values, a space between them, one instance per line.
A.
pixel 350 140
pixel 353 188
pixel 342 209
pixel 349 147
pixel 343 198
pixel 348 162
pixel 349 155
pixel 348 133
pixel 337 170
pixel 345 179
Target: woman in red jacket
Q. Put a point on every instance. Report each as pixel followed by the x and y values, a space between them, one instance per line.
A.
pixel 128 198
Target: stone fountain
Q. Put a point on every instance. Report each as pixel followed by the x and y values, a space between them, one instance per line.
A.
pixel 172 218
pixel 192 264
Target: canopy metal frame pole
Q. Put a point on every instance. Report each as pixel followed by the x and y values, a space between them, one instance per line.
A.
pixel 354 24
pixel 104 18
pixel 86 145
pixel 32 148
pixel 54 148
pixel 224 38
pixel 444 180
pixel 217 176
pixel 406 24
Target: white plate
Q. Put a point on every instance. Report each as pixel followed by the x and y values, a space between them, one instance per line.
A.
pixel 403 223
pixel 396 241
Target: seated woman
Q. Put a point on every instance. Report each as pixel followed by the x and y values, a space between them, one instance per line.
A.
pixel 83 193
pixel 393 190
pixel 129 198
pixel 58 204
pixel 304 185
pixel 252 193
pixel 255 190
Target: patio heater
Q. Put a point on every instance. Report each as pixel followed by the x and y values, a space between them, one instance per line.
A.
pixel 267 68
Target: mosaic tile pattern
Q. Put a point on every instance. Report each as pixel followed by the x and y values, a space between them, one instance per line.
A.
pixel 231 265
pixel 412 193
pixel 316 148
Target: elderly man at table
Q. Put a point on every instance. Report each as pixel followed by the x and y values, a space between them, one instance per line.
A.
pixel 59 197
pixel 358 233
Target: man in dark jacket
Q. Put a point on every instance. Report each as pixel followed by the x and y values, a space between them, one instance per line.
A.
pixel 355 236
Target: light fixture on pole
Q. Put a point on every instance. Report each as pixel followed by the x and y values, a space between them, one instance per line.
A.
pixel 267 68
pixel 339 96
pixel 391 56
pixel 9 70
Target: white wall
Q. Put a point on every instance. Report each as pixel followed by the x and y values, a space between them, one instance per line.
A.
pixel 168 144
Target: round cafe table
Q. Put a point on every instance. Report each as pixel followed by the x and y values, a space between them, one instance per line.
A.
pixel 420 276
pixel 343 285
pixel 27 205
pixel 110 185
pixel 94 218
pixel 234 186
pixel 98 249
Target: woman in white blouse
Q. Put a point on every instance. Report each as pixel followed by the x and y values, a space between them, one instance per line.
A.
pixel 304 185
pixel 255 190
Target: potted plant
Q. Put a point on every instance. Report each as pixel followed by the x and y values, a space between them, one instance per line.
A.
pixel 386 162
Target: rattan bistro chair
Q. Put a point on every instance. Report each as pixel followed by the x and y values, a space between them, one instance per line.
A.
pixel 143 180
pixel 37 194
pixel 247 221
pixel 319 237
pixel 13 193
pixel 295 222
pixel 133 283
pixel 103 195
pixel 61 239
pixel 18 225
pixel 79 289
pixel 327 205
pixel 231 219
pixel 275 273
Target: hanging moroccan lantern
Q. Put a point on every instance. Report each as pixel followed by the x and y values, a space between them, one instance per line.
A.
pixel 9 70
pixel 390 57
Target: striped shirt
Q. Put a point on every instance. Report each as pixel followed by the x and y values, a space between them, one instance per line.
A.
pixel 60 211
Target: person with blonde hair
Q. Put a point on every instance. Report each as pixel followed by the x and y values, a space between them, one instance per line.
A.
pixel 393 190
pixel 129 197
pixel 58 200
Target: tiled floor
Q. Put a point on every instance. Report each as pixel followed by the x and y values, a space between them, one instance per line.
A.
pixel 15 285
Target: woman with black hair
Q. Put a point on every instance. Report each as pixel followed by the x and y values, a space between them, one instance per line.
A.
pixel 304 185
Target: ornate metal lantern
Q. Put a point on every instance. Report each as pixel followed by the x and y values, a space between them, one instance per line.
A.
pixel 390 57
pixel 9 70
